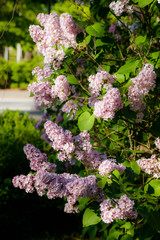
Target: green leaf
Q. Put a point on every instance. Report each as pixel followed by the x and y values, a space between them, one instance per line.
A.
pixel 72 79
pixel 154 187
pixel 99 43
pixel 129 67
pixel 139 40
pixel 120 77
pixel 144 3
pixel 155 55
pixel 86 121
pixel 106 68
pixel 82 203
pixel 136 169
pixel 125 87
pixel 126 237
pixel 127 225
pixel 97 29
pixel 88 39
pixel 116 173
pixel 90 218
pixel 31 95
pixel 103 182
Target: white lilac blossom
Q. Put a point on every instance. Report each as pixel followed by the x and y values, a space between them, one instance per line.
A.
pixel 56 33
pixel 140 86
pixel 121 6
pixel 112 209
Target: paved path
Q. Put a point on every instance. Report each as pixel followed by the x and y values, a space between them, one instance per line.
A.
pixel 18 100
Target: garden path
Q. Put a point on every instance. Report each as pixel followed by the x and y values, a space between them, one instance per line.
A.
pixel 18 99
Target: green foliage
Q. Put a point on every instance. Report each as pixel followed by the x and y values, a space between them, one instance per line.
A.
pixel 90 218
pixel 14 74
pixel 86 121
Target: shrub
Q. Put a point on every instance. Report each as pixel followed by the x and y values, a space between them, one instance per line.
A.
pixel 14 74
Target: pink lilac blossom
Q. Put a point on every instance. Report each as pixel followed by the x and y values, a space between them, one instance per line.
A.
pixel 24 182
pixel 109 165
pixel 56 33
pixel 120 6
pixel 71 106
pixel 55 185
pixel 122 209
pixel 42 74
pixel 45 93
pixel 38 160
pixel 150 166
pixel 110 103
pixel 157 143
pixel 71 147
pixel 140 86
pixel 97 81
pixel 84 187
pixel 61 140
pixel 43 96
pixel 85 153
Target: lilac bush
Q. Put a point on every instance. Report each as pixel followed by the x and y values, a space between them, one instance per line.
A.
pixel 100 91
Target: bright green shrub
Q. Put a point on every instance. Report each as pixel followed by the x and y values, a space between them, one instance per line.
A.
pixel 14 74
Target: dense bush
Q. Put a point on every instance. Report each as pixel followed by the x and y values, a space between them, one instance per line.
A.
pixel 14 74
pixel 100 88
pixel 23 216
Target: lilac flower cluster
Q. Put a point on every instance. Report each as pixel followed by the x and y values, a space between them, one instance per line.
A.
pixel 85 153
pixel 71 106
pixel 42 74
pixel 56 185
pixel 122 209
pixel 150 166
pixel 61 140
pixel 72 147
pixel 45 92
pixel 141 85
pixel 79 147
pixel 56 33
pixel 157 143
pixel 66 185
pixel 38 160
pixel 99 80
pixel 121 6
pixel 111 101
pixel 109 165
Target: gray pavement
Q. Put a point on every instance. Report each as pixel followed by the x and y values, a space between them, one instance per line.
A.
pixel 15 99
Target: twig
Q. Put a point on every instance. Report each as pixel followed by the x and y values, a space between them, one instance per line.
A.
pixel 10 19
